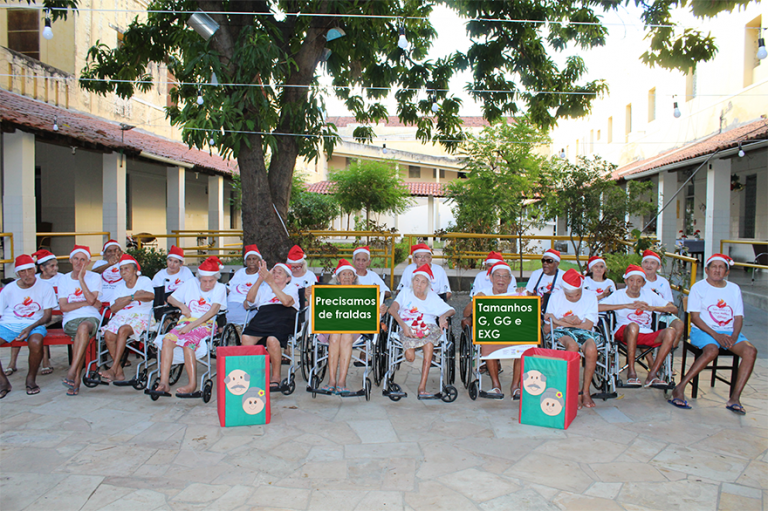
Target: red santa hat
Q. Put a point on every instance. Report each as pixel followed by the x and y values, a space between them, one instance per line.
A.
pixel 494 258
pixel 285 268
pixel 362 250
pixel 554 254
pixel 127 259
pixel 634 269
pixel 421 247
pixel 572 280
pixel 424 270
pixel 23 262
pixel 650 254
pixel 295 255
pixel 499 266
pixel 343 265
pixel 43 256
pixel 109 243
pixel 81 249
pixel 176 253
pixel 720 257
pixel 594 260
pixel 210 267
pixel 251 249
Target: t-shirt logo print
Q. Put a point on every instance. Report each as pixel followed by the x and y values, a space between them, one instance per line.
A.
pixel 640 317
pixel 721 313
pixel 111 275
pixel 199 307
pixel 243 288
pixel 77 296
pixel 27 308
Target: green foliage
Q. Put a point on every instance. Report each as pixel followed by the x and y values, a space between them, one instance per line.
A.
pixel 312 211
pixel 503 174
pixel 373 186
pixel 150 260
pixel 592 203
pixel 616 264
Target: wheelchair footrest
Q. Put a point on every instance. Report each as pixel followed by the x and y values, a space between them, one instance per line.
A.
pixel 491 395
pixel 356 393
pixel 393 393
pixel 439 395
pixel 192 395
pixel 604 395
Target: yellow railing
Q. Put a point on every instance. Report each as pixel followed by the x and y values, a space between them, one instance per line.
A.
pixel 104 234
pixel 8 235
pixel 745 242
pixel 178 235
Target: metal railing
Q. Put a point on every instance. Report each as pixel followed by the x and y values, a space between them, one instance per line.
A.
pixel 746 242
pixel 8 235
pixel 105 235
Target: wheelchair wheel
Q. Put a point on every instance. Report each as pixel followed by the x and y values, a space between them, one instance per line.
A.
pixel 140 382
pixel 91 379
pixel 463 358
pixel 287 386
pixel 207 390
pixel 450 377
pixel 394 387
pixel 380 358
pixel 450 394
pixel 367 389
pixel 473 390
pixel 229 336
pixel 314 385
pixel 155 384
pixel 175 374
pixel 307 358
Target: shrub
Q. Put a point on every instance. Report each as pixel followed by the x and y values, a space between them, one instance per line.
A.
pixel 150 260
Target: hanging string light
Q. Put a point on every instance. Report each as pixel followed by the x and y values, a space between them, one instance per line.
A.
pixel 402 41
pixel 48 31
pixel 200 99
pixel 676 110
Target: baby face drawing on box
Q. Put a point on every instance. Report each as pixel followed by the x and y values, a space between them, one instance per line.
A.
pixel 238 382
pixel 534 382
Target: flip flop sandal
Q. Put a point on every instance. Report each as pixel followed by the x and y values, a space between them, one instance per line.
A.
pixel 654 382
pixel 31 391
pixel 327 389
pixel 73 391
pixel 516 395
pixel 679 403
pixel 46 370
pixel 274 387
pixel 342 391
pixel 4 393
pixel 737 409
pixel 633 383
pixel 70 384
pixel 10 371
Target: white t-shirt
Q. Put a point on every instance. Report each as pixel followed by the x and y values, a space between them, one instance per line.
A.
pixel 238 287
pixel 70 290
pixel 483 284
pixel 716 306
pixel 599 287
pixel 644 319
pixel 135 307
pixel 198 301
pixel 305 281
pixel 585 309
pixel 371 279
pixel 417 313
pixel 265 295
pixel 171 282
pixel 110 278
pixel 53 281
pixel 440 283
pixel 22 307
pixel 545 285
pixel 661 287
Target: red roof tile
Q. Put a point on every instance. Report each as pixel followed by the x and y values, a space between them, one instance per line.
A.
pixel 75 127
pixel 728 139
pixel 416 189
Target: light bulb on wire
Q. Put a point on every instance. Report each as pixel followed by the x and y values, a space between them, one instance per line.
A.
pixel 55 124
pixel 435 106
pixel 402 41
pixel 277 12
pixel 48 31
pixel 200 99
pixel 384 148
pixel 676 112
pixel 762 53
pixel 741 151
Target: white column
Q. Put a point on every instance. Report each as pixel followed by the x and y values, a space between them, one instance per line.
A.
pixel 430 214
pixel 666 223
pixel 113 195
pixel 19 194
pixel 718 216
pixel 176 197
pixel 216 208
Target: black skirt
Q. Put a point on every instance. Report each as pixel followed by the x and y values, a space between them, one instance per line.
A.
pixel 275 320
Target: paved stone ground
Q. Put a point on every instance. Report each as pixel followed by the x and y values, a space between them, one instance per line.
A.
pixel 114 448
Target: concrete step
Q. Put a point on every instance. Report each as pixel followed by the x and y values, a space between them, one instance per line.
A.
pixel 754 298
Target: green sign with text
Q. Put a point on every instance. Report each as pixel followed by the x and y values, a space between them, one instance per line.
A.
pixel 506 320
pixel 345 309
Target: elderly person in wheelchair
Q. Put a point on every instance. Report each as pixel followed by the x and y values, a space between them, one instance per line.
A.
pixel 634 307
pixel 570 318
pixel 422 316
pixel 501 278
pixel 199 301
pixel 131 303
pixel 273 324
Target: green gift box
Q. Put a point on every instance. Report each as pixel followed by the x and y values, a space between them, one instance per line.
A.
pixel 550 388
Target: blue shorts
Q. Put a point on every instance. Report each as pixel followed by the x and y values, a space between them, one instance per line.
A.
pixel 10 332
pixel 700 338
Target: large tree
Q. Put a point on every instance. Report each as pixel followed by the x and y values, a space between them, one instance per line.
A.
pixel 268 102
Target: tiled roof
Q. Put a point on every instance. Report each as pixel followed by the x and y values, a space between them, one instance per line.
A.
pixel 82 129
pixel 416 189
pixel 728 139
pixel 394 121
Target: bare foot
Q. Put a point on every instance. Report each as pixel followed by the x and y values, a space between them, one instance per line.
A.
pixel 163 387
pixel 187 389
pixel 586 401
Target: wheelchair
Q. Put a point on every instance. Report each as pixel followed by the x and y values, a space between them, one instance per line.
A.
pixel 365 343
pixel 605 379
pixel 444 358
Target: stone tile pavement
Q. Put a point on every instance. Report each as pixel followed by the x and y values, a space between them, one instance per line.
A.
pixel 113 448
